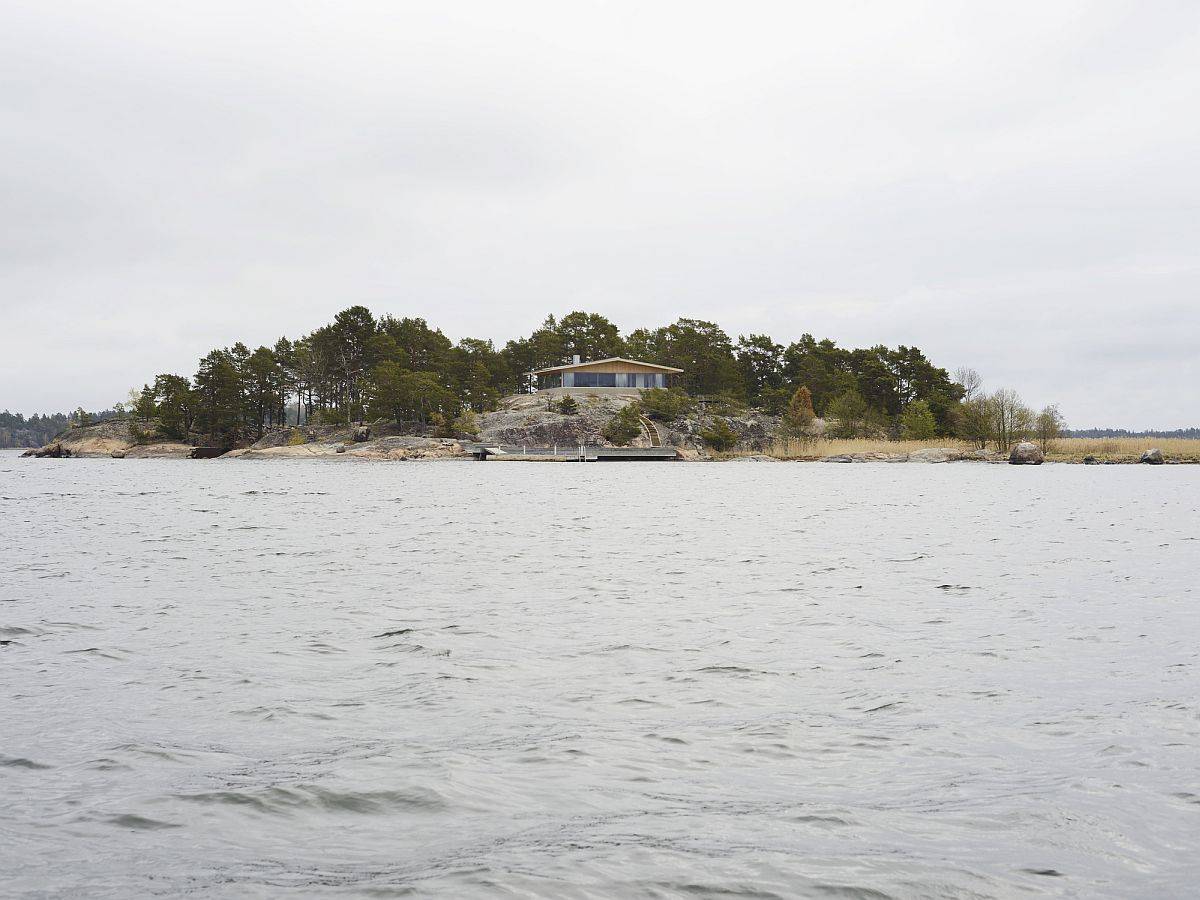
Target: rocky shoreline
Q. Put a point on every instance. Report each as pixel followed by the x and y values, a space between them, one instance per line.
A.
pixel 523 421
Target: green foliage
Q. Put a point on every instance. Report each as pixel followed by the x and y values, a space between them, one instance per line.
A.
pixel 666 405
pixel 849 415
pixel 972 420
pixel 326 418
pixel 1048 427
pixel 567 406
pixel 176 405
pixel 296 438
pixel 590 336
pixel 774 400
pixel 704 352
pixel 725 404
pixel 141 432
pixel 145 407
pixel 404 395
pixel 760 360
pixel 466 423
pixel 917 422
pixel 623 427
pixel 407 370
pixel 719 436
pixel 799 413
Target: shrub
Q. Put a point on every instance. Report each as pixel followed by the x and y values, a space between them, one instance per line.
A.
pixel 719 436
pixel 917 422
pixel 443 424
pixel 142 434
pixel 850 415
pixel 725 404
pixel 326 417
pixel 296 438
pixel 624 426
pixel 466 423
pixel 666 405
pixel 567 406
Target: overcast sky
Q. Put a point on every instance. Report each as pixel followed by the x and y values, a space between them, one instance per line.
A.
pixel 1013 187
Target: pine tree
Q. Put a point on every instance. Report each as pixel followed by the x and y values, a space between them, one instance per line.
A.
pixel 917 422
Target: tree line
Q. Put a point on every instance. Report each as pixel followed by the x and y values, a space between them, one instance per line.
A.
pixel 361 367
pixel 16 430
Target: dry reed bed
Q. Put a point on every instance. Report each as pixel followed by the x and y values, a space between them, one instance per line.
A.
pixel 1062 450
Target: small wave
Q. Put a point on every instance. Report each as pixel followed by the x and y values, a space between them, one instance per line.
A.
pixel 891 705
pixel 140 823
pixel 284 801
pixel 21 762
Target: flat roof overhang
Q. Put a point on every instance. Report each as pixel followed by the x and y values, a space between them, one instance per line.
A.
pixel 600 362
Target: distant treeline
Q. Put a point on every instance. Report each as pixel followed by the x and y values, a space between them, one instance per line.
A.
pixel 1190 433
pixel 18 431
pixel 359 366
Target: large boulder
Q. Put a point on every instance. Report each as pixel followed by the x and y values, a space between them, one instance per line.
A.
pixel 362 433
pixel 935 455
pixel 1026 453
pixel 1153 457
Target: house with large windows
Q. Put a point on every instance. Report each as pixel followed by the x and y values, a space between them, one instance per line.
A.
pixel 614 374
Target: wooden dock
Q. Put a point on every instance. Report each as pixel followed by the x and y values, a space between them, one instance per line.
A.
pixel 585 453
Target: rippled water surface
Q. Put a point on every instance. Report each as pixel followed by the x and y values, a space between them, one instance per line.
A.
pixel 273 679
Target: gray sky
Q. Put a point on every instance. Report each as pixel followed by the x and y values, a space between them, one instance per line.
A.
pixel 1014 187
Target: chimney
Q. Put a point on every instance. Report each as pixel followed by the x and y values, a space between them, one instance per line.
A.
pixel 575 360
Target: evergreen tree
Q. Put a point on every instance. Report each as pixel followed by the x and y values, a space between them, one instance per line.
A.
pixel 175 402
pixel 849 415
pixel 798 416
pixel 719 436
pixel 623 427
pixel 917 422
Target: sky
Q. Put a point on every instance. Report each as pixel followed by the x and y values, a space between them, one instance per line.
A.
pixel 1013 187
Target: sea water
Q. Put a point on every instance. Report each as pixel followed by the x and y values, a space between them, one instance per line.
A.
pixel 344 678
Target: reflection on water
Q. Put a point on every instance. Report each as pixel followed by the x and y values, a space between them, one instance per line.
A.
pixel 235 679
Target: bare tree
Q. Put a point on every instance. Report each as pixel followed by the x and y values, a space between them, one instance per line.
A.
pixel 1011 420
pixel 973 422
pixel 1049 427
pixel 969 380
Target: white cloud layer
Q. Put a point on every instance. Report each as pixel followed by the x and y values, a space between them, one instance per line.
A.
pixel 1009 186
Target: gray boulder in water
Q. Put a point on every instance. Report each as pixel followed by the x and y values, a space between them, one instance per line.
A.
pixel 1152 457
pixel 934 455
pixel 1026 453
pixel 1090 461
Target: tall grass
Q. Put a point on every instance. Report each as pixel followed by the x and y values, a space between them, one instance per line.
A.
pixel 1121 448
pixel 1126 449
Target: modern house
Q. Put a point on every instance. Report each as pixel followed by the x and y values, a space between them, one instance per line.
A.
pixel 613 374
